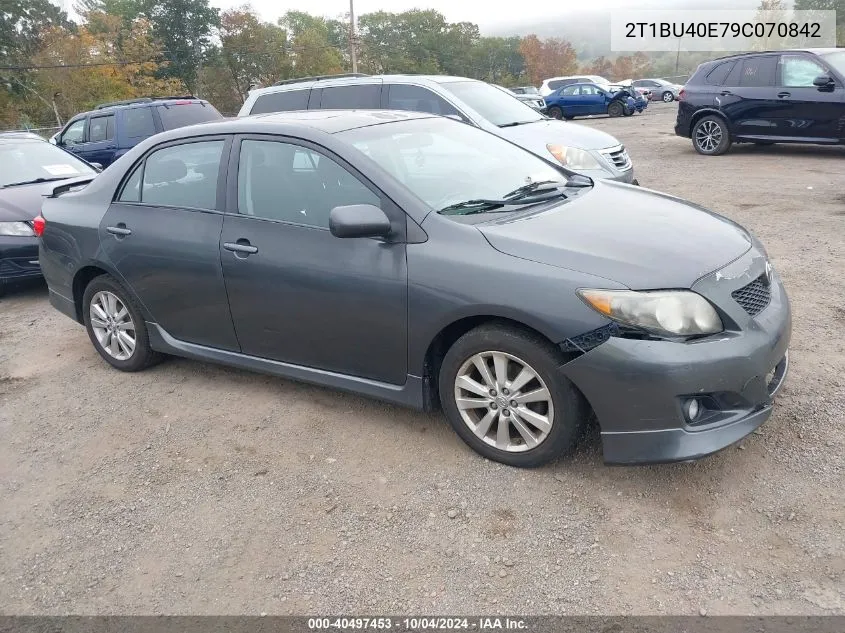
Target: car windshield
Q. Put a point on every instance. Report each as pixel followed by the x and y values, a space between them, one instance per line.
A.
pixel 495 105
pixel 26 162
pixel 444 162
pixel 837 60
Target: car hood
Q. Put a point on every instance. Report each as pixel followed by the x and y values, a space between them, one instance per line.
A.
pixel 634 236
pixel 535 136
pixel 23 202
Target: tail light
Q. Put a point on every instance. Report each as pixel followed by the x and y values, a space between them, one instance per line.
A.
pixel 38 225
pixel 682 95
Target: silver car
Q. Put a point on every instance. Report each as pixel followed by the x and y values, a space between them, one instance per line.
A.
pixel 582 149
pixel 661 90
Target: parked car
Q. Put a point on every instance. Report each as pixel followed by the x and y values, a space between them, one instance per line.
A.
pixel 589 99
pixel 661 90
pixel 795 96
pixel 29 168
pixel 556 83
pixel 585 150
pixel 106 133
pixel 530 96
pixel 640 96
pixel 429 263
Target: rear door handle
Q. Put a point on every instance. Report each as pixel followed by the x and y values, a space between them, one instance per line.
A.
pixel 784 95
pixel 120 230
pixel 241 246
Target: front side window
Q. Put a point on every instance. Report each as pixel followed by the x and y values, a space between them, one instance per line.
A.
pixel 590 90
pixel 799 71
pixel 417 99
pixel 494 104
pixel 74 132
pixel 356 97
pixel 101 128
pixel 570 91
pixel 293 184
pixel 181 176
pixel 444 162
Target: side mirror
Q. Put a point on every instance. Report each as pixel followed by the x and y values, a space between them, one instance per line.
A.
pixel 358 220
pixel 823 82
pixel 97 166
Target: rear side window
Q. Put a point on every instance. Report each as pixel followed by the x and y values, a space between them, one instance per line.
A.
pixel 285 101
pixel 181 176
pixel 557 83
pixel 101 128
pixel 417 99
pixel 570 91
pixel 139 122
pixel 181 114
pixel 361 97
pixel 754 72
pixel 717 76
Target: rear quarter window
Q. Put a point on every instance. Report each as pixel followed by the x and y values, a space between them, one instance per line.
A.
pixel 717 76
pixel 139 122
pixel 284 101
pixel 179 115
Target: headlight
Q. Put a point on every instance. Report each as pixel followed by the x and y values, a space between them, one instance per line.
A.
pixel 665 312
pixel 573 157
pixel 16 229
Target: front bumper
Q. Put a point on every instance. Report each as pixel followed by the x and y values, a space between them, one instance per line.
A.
pixel 18 258
pixel 637 388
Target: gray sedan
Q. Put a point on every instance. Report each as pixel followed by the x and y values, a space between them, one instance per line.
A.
pixel 428 263
pixel 661 90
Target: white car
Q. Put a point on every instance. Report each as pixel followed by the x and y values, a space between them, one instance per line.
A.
pixel 550 85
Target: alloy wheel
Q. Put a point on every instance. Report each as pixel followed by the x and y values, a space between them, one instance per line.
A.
pixel 668 97
pixel 504 401
pixel 708 136
pixel 112 325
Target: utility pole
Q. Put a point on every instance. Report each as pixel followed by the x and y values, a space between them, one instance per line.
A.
pixel 352 54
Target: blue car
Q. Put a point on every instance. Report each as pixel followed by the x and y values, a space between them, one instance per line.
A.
pixel 583 99
pixel 112 129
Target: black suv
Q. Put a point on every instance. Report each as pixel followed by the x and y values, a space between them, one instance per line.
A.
pixel 795 96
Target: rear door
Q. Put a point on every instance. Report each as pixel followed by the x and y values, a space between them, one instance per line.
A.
pixel 162 235
pixel 749 97
pixel 807 112
pixel 100 142
pixel 569 100
pixel 134 125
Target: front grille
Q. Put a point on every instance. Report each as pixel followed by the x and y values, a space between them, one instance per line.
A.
pixel 755 296
pixel 617 156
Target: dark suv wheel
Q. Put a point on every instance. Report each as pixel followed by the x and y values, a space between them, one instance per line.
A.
pixel 710 136
pixel 504 395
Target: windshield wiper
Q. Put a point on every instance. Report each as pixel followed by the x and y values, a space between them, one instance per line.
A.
pixel 515 123
pixel 533 187
pixel 33 182
pixel 481 205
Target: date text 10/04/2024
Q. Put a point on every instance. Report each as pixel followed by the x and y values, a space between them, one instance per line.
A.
pixel 418 624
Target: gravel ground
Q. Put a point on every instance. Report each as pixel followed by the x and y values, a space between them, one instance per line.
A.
pixel 192 488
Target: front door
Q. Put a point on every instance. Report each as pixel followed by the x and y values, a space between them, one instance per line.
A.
pixel 162 235
pixel 592 99
pixel 749 97
pixel 100 142
pixel 297 293
pixel 808 112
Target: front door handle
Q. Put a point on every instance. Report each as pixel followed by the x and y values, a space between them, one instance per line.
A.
pixel 784 95
pixel 241 247
pixel 726 93
pixel 119 231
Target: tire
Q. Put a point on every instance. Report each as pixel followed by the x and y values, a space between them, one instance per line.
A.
pixel 101 291
pixel 668 97
pixel 710 136
pixel 615 109
pixel 562 406
pixel 628 112
pixel 555 112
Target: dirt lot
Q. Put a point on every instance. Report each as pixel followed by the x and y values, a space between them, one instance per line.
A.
pixel 192 488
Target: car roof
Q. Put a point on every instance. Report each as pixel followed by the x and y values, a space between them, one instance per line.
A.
pixel 326 121
pixel 812 51
pixel 139 104
pixel 17 137
pixel 352 81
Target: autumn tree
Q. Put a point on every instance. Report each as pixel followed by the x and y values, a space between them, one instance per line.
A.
pixel 601 66
pixel 547 58
pixel 254 52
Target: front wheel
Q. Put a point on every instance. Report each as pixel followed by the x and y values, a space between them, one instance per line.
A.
pixel 555 112
pixel 668 97
pixel 711 136
pixel 615 109
pixel 503 393
pixel 115 326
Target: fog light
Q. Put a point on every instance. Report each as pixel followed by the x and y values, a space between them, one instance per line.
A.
pixel 692 409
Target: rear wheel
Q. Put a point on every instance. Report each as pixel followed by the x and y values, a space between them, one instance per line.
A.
pixel 555 112
pixel 504 395
pixel 115 326
pixel 615 109
pixel 668 97
pixel 710 136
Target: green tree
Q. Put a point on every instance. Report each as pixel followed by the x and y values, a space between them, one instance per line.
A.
pixel 23 24
pixel 312 49
pixel 254 52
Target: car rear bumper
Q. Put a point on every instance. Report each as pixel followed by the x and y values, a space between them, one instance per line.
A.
pixel 638 388
pixel 19 258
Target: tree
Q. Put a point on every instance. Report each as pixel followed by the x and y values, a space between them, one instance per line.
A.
pixel 547 58
pixel 827 5
pixel 600 66
pixel 312 53
pixel 184 28
pixel 23 24
pixel 254 52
